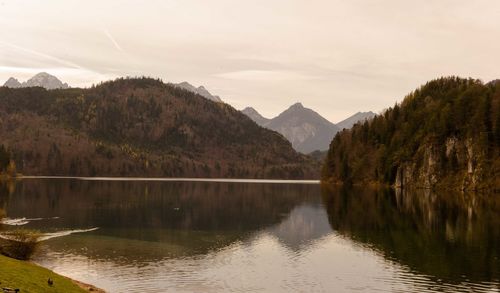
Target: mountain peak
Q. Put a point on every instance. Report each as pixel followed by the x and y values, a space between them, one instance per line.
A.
pixel 255 116
pixel 12 83
pixel 201 90
pixel 43 75
pixel 249 110
pixel 45 80
pixel 304 128
pixel 359 116
pixel 42 79
pixel 297 105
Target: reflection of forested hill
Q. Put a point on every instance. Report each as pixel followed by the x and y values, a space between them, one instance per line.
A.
pixel 200 213
pixel 447 236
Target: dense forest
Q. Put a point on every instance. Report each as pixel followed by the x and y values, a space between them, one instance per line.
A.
pixel 444 134
pixel 139 127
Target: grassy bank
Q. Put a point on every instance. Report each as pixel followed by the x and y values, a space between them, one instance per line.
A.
pixel 29 277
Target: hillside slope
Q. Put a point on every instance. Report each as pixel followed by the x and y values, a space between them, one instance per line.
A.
pixel 444 134
pixel 139 127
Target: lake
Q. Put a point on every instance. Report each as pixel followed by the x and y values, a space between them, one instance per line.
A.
pixel 252 236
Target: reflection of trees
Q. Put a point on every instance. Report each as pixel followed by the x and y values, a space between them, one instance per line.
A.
pixel 447 235
pixel 7 187
pixel 189 215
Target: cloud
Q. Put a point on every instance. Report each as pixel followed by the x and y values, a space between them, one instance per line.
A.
pixel 115 43
pixel 43 55
pixel 337 56
pixel 266 75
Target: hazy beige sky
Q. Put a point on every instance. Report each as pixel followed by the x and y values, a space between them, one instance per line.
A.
pixel 337 57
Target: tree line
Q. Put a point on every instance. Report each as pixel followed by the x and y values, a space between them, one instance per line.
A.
pixel 445 127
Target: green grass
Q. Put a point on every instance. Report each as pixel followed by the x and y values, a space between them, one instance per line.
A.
pixel 29 277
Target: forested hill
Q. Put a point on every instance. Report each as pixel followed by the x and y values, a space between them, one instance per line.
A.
pixel 444 134
pixel 139 127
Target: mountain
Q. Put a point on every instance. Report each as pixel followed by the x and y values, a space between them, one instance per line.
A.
pixel 45 80
pixel 12 83
pixel 140 127
pixel 41 79
pixel 255 116
pixel 358 117
pixel 201 90
pixel 304 128
pixel 446 134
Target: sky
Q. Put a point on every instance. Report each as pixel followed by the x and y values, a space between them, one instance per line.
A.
pixel 336 57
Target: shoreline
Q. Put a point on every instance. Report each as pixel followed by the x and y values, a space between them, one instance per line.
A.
pixel 176 179
pixel 85 286
pixel 28 276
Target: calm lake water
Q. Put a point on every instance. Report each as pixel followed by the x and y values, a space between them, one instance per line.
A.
pixel 187 236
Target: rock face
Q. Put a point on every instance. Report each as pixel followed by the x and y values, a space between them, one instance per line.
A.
pixel 457 153
pixel 428 174
pixel 360 116
pixel 201 90
pixel 41 79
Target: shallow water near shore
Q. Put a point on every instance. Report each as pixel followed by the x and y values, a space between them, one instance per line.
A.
pixel 240 236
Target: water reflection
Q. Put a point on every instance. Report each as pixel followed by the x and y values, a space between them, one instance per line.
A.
pixel 228 236
pixel 191 217
pixel 451 237
pixel 304 225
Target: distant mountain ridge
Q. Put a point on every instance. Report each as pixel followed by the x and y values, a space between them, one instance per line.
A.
pixel 255 116
pixel 307 130
pixel 42 79
pixel 201 90
pixel 360 116
pixel 304 128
